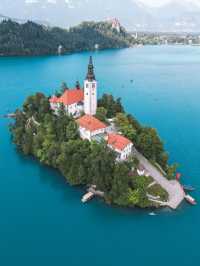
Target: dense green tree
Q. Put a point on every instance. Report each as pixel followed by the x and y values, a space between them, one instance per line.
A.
pixel 123 124
pixel 120 184
pixel 111 105
pixel 101 114
pixel 64 87
pixel 171 170
pixel 102 165
pixel 135 124
pixel 72 130
pixel 150 144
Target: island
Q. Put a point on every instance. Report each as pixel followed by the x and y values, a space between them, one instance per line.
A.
pixel 94 142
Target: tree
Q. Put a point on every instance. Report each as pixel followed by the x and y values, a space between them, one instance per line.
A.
pixel 102 161
pixel 135 124
pixel 171 171
pixel 120 183
pixel 72 130
pixel 149 143
pixel 111 105
pixel 101 114
pixel 125 127
pixel 64 87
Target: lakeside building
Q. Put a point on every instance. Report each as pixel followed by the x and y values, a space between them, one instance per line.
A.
pixel 78 101
pixel 121 145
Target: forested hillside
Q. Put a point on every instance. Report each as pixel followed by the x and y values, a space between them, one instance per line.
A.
pixel 34 39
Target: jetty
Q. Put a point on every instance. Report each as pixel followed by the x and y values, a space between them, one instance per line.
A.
pixel 98 193
pixel 91 193
pixel 10 115
pixel 173 187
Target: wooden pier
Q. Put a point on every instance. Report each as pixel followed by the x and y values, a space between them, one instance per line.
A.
pixel 92 192
pixel 11 115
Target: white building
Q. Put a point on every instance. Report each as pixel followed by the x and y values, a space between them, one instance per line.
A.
pixel 78 100
pixel 90 91
pixel 121 145
pixel 72 99
pixel 89 127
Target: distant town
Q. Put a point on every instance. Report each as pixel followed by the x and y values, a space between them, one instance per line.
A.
pixel 164 38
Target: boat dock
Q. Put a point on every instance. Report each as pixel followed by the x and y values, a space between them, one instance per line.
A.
pixel 10 115
pixel 92 192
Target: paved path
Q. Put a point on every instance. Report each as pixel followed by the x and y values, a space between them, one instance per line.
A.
pixel 174 189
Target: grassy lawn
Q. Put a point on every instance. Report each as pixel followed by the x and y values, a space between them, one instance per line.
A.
pixel 157 190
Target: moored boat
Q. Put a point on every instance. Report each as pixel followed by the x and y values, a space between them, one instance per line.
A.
pixel 190 199
pixel 87 197
pixel 152 214
pixel 188 188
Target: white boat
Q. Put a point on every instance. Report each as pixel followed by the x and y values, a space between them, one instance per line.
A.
pixel 152 214
pixel 87 197
pixel 190 199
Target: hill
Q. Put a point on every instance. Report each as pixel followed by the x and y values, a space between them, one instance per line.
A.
pixel 33 39
pixel 135 15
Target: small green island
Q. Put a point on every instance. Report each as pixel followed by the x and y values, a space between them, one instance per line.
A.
pixel 94 143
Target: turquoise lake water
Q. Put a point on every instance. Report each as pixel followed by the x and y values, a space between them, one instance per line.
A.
pixel 42 221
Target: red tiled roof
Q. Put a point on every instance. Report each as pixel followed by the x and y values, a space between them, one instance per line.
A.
pixel 117 141
pixel 69 97
pixel 53 99
pixel 90 123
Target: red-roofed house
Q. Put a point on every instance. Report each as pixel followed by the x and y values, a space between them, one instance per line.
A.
pixel 121 145
pixel 72 100
pixel 89 127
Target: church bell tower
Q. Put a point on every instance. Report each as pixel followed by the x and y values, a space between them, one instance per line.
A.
pixel 90 91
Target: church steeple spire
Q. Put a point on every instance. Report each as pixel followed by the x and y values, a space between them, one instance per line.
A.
pixel 90 74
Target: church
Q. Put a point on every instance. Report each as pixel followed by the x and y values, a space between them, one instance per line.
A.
pixel 78 100
pixel 82 105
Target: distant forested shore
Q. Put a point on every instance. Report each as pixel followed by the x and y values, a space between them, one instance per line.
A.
pixel 32 39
